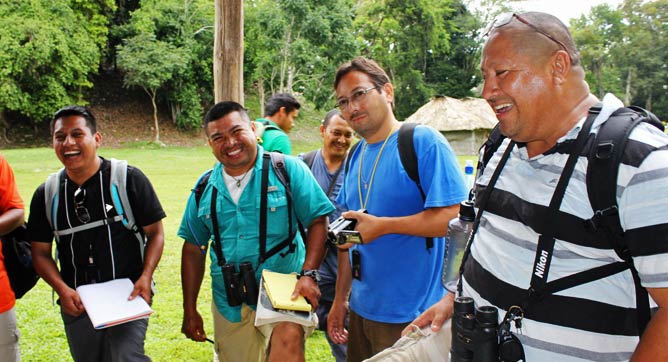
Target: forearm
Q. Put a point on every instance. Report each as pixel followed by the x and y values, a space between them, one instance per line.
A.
pixel 192 274
pixel 432 222
pixel 344 277
pixel 10 220
pixel 315 243
pixel 46 267
pixel 154 247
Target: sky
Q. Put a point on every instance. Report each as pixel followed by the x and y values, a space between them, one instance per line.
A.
pixel 564 9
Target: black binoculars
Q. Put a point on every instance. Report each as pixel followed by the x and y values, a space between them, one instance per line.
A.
pixel 478 337
pixel 240 287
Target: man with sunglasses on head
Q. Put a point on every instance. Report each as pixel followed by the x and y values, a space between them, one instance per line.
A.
pixel 552 277
pixel 392 277
pixel 96 254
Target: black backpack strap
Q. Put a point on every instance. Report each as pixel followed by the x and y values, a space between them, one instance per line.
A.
pixel 490 146
pixel 217 245
pixel 409 160
pixel 350 155
pixel 200 185
pixel 602 172
pixel 308 158
pixel 278 164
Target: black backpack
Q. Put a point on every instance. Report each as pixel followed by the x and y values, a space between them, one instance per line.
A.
pixel 18 261
pixel 602 170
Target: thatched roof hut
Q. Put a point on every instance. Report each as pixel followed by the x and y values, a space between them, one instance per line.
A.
pixel 464 122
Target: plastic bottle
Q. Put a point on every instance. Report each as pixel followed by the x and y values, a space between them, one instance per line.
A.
pixel 468 174
pixel 459 231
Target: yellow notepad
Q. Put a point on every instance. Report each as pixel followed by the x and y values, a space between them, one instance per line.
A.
pixel 279 288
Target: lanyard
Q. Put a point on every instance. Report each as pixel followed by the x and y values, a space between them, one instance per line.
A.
pixel 363 201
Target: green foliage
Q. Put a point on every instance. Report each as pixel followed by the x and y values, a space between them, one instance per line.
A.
pixel 295 46
pixel 186 26
pixel 46 57
pixel 413 41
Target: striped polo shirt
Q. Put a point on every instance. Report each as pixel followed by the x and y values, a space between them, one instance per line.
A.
pixel 597 320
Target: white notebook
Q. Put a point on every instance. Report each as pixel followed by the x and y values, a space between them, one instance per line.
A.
pixel 107 303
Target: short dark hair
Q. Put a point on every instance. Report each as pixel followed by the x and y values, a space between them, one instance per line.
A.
pixel 365 65
pixel 75 110
pixel 331 114
pixel 279 100
pixel 222 109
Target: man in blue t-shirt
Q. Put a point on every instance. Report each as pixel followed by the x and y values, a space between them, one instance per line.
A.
pixel 327 166
pixel 396 271
pixel 232 199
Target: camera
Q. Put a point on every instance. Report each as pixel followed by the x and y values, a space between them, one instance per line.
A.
pixel 240 287
pixel 477 335
pixel 342 231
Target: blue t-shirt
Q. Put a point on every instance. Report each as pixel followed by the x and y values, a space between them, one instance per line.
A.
pixel 400 278
pixel 239 223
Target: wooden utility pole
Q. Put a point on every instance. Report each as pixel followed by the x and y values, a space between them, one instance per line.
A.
pixel 228 51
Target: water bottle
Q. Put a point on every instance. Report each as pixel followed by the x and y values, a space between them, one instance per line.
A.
pixel 459 231
pixel 468 174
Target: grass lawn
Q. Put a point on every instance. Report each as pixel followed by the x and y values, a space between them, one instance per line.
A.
pixel 173 172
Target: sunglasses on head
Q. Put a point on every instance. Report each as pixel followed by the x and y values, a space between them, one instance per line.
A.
pixel 505 19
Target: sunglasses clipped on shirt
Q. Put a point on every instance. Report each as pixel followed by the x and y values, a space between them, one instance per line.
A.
pixel 505 19
pixel 79 209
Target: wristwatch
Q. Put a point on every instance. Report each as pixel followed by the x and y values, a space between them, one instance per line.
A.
pixel 312 273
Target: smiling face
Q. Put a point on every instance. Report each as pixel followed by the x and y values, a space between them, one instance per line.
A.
pixel 76 146
pixel 336 137
pixel 517 87
pixel 233 142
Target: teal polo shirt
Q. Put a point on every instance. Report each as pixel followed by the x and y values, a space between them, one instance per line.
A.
pixel 275 139
pixel 239 223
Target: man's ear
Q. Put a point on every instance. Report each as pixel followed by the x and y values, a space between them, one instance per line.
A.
pixel 389 91
pixel 561 66
pixel 98 139
pixel 322 131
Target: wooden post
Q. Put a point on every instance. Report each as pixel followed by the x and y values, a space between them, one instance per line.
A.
pixel 228 51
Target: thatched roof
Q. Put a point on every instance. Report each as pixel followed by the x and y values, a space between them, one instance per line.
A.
pixel 450 114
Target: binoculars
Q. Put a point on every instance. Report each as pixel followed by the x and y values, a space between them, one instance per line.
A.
pixel 241 286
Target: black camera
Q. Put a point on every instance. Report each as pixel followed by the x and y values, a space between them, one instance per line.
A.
pixel 342 231
pixel 240 287
pixel 477 335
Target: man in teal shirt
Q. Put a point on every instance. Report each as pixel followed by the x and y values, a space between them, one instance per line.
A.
pixel 236 179
pixel 280 113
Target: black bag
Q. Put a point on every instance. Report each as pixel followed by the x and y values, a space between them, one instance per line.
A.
pixel 18 261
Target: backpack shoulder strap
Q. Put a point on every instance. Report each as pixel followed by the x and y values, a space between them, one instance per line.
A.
pixel 350 155
pixel 409 160
pixel 407 153
pixel 51 197
pixel 309 157
pixel 602 171
pixel 200 185
pixel 118 182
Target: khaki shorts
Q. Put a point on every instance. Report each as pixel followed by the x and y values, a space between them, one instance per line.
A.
pixel 419 346
pixel 242 341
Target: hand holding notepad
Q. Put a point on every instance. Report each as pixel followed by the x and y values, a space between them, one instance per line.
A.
pixel 279 288
pixel 107 303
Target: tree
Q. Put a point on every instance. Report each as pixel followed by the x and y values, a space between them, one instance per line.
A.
pixel 596 35
pixel 296 45
pixel 186 25
pixel 47 56
pixel 149 63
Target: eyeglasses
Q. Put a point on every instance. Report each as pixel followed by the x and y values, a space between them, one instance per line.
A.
pixel 358 96
pixel 79 209
pixel 505 19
